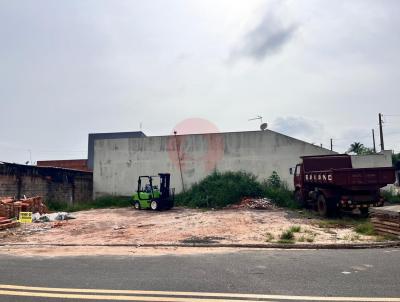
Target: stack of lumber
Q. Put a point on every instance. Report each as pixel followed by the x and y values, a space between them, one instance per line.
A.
pixel 6 223
pixel 10 207
pixel 386 220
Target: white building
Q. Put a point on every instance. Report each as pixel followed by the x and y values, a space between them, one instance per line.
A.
pixel 118 160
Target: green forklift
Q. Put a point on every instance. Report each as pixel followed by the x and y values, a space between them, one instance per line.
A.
pixel 151 196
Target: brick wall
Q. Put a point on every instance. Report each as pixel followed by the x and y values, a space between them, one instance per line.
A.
pixel 53 184
pixel 75 164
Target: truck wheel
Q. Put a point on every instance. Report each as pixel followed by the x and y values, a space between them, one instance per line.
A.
pixel 154 205
pixel 299 199
pixel 136 205
pixel 364 212
pixel 325 207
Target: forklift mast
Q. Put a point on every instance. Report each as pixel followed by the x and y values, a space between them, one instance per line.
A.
pixel 164 184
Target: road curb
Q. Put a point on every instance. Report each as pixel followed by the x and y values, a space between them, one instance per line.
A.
pixel 390 244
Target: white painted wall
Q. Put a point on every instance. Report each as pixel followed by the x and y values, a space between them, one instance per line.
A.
pixel 383 159
pixel 119 162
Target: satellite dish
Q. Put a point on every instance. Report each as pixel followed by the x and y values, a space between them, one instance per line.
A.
pixel 263 126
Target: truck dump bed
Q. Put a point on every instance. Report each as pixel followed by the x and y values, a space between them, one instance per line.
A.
pixel 337 170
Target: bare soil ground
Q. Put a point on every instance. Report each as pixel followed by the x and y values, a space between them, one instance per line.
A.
pixel 179 225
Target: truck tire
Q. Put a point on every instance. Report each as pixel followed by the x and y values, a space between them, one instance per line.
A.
pixel 299 199
pixel 364 212
pixel 136 205
pixel 326 207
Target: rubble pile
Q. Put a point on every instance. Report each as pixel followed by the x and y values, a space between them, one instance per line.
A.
pixel 59 216
pixel 254 203
pixel 11 207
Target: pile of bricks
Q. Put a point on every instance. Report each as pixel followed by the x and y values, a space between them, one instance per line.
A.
pixel 10 207
pixel 6 223
pixel 386 220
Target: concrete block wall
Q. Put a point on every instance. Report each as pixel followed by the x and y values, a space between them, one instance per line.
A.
pixel 119 162
pixel 8 185
pixel 53 184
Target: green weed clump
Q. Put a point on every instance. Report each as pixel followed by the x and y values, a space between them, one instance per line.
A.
pixel 365 228
pixel 295 229
pixel 220 189
pixel 287 235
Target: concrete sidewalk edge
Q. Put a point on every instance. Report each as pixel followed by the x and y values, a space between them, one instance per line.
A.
pixel 220 245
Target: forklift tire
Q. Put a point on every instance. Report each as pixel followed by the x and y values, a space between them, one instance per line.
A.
pixel 325 207
pixel 136 205
pixel 154 205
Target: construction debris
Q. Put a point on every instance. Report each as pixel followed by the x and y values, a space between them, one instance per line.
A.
pixel 254 203
pixel 386 220
pixel 37 217
pixel 11 207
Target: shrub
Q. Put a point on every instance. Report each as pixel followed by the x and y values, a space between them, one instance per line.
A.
pixel 220 189
pixel 391 196
pixel 274 180
pixel 280 195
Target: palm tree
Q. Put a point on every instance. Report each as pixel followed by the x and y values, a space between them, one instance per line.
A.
pixel 357 148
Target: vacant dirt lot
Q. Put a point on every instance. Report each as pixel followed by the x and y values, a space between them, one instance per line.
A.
pixel 125 225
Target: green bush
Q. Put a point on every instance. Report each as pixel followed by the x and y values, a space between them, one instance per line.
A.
pixel 280 195
pixel 274 180
pixel 390 196
pixel 98 203
pixel 220 189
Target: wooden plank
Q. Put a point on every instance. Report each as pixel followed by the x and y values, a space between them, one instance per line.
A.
pixel 379 230
pixel 395 224
pixel 386 225
pixel 9 225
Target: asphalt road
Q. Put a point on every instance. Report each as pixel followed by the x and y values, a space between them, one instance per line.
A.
pixel 311 274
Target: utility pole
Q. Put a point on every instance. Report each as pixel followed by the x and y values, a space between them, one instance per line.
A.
pixel 373 139
pixel 381 131
pixel 331 144
pixel 179 160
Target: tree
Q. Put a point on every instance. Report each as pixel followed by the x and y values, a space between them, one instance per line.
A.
pixel 359 149
pixel 395 158
pixel 356 148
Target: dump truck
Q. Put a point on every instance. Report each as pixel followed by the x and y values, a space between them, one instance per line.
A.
pixel 330 184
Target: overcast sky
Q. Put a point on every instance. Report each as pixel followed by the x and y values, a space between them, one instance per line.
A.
pixel 314 69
